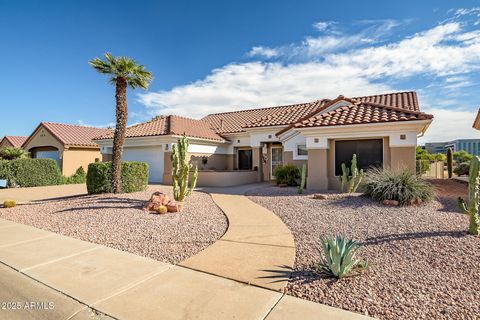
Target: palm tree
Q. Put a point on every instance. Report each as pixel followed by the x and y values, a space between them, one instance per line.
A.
pixel 123 72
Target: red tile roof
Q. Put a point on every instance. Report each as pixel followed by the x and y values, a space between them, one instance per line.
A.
pixel 237 121
pixel 74 135
pixel 405 100
pixel 15 141
pixel 170 125
pixel 362 113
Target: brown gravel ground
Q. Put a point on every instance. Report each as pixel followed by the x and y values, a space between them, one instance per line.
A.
pixel 117 221
pixel 423 263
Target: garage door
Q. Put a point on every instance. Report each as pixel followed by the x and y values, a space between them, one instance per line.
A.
pixel 151 155
pixel 48 155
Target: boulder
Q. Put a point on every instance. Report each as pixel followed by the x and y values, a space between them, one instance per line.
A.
pixel 391 202
pixel 156 200
pixel 417 201
pixel 174 206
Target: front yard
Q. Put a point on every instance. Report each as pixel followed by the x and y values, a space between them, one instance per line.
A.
pixel 423 263
pixel 118 221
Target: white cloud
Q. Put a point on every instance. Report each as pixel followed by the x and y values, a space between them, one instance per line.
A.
pixel 263 52
pixel 315 68
pixel 321 25
pixel 448 124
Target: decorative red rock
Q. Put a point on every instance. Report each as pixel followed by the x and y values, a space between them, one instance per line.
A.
pixel 174 206
pixel 156 200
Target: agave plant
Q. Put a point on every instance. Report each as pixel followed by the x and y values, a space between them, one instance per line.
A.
pixel 339 257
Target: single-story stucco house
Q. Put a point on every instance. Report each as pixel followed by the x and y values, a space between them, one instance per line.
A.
pixel 12 141
pixel 70 145
pixel 245 146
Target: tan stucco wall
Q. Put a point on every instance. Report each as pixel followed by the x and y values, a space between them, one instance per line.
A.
pixel 256 162
pixel 226 178
pixel 5 143
pixel 214 161
pixel 73 158
pixel 288 159
pixel 403 158
pixel 317 169
pixel 43 138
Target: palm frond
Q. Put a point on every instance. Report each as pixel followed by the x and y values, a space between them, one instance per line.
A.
pixel 123 67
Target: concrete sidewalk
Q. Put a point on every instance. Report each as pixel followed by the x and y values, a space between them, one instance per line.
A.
pixel 125 286
pixel 257 248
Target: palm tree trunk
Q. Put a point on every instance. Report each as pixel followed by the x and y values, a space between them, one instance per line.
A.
pixel 119 135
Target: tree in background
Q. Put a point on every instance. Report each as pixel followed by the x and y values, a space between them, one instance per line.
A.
pixel 123 72
pixel 11 153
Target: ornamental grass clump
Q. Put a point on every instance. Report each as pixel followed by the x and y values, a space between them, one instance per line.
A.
pixel 402 186
pixel 339 257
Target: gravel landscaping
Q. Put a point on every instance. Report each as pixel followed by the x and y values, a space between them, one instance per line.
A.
pixel 118 221
pixel 423 263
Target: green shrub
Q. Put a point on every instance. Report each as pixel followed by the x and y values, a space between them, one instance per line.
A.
pixel 403 186
pixel 339 257
pixel 30 172
pixel 462 169
pixel 134 177
pixel 80 176
pixel 288 174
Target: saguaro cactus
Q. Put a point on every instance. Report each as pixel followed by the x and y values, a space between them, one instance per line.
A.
pixel 449 162
pixel 351 178
pixel 303 180
pixel 181 167
pixel 473 196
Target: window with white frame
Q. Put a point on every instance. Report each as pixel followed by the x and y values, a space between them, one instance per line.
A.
pixel 301 151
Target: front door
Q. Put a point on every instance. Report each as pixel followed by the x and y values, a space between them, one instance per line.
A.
pixel 245 159
pixel 277 159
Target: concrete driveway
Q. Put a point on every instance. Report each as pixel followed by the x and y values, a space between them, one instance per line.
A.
pixel 22 195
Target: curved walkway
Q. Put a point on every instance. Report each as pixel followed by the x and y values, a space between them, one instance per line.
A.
pixel 257 248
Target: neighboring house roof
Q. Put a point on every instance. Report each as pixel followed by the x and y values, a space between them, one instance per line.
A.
pixel 170 125
pixel 237 121
pixel 362 113
pixel 72 135
pixel 15 141
pixel 476 123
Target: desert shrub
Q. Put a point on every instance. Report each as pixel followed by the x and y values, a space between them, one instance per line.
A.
pixel 339 257
pixel 462 156
pixel 403 186
pixel 134 177
pixel 462 169
pixel 80 176
pixel 288 174
pixel 30 172
pixel 9 203
pixel 11 153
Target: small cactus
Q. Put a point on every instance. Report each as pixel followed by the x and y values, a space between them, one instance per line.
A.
pixel 9 203
pixel 449 162
pixel 303 180
pixel 351 178
pixel 181 167
pixel 162 210
pixel 473 197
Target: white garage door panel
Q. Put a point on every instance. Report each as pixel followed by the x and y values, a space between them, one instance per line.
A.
pixel 151 155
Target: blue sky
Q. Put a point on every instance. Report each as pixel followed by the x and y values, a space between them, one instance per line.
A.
pixel 213 56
